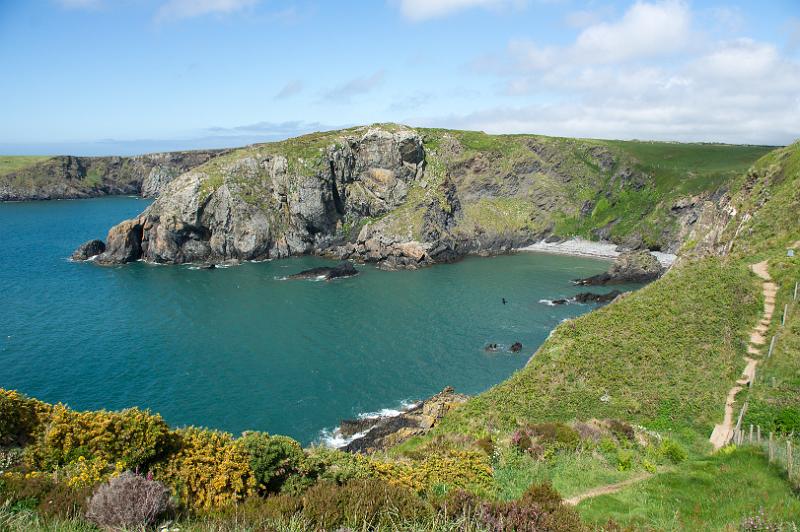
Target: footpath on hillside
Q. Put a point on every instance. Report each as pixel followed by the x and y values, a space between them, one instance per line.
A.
pixel 605 490
pixel 723 432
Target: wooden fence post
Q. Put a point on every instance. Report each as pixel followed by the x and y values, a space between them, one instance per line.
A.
pixel 771 449
pixel 795 290
pixel 785 310
pixel 771 346
pixel 751 434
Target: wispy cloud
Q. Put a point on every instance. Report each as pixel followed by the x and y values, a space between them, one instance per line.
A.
pixel 356 86
pixel 181 9
pixel 419 10
pixel 292 88
pixel 271 130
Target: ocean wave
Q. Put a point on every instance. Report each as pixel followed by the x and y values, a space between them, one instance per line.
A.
pixel 548 302
pixel 333 437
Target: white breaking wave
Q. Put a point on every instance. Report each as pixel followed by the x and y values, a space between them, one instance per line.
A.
pixel 334 439
pixel 548 302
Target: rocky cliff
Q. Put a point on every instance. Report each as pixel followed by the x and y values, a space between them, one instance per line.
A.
pixel 67 177
pixel 404 198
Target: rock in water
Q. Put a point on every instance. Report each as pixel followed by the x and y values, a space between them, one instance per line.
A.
pixel 385 432
pixel 343 269
pixel 516 347
pixel 89 249
pixel 589 297
pixel 124 243
pixel 628 267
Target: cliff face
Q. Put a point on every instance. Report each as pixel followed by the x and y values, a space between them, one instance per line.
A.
pixel 67 177
pixel 405 198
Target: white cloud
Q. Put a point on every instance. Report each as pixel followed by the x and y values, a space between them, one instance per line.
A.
pixel 649 74
pixel 646 30
pixel 418 10
pixel 180 9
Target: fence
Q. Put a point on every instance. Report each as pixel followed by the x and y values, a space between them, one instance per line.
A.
pixel 782 450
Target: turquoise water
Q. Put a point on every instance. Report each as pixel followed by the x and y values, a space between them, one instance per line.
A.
pixel 239 348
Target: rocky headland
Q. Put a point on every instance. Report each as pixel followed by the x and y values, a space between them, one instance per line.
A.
pixel 405 198
pixel 68 177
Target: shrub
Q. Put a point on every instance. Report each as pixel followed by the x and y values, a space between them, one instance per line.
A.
pixel 332 465
pixel 558 434
pixel 128 501
pixel 486 445
pixel 21 418
pixel 207 469
pixel 540 509
pixel 624 460
pixel 621 430
pixel 40 492
pixel 362 504
pixel 10 458
pixel 457 503
pixel 521 440
pixel 273 459
pixel 672 451
pixel 133 437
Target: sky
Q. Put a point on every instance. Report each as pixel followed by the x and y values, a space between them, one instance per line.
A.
pixel 93 77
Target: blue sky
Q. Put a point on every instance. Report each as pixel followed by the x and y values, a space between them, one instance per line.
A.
pixel 128 76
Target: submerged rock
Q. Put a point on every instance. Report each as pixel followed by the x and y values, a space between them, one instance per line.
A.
pixel 89 249
pixel 384 432
pixel 343 269
pixel 629 267
pixel 516 347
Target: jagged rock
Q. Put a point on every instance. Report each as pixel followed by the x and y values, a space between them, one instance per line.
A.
pixel 628 267
pixel 516 347
pixel 382 433
pixel 124 243
pixel 343 269
pixel 89 249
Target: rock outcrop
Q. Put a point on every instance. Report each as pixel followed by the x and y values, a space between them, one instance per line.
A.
pixel 384 432
pixel 590 297
pixel 404 198
pixel 89 249
pixel 67 177
pixel 628 267
pixel 343 269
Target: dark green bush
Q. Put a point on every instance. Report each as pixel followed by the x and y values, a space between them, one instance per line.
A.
pixel 672 451
pixel 273 459
pixel 362 503
pixel 557 434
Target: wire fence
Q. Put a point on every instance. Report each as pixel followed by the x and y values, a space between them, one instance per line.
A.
pixel 781 449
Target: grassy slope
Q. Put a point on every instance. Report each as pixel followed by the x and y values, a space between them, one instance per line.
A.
pixel 13 163
pixel 706 494
pixel 665 355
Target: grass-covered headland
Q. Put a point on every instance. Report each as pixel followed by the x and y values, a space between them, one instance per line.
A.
pixel 606 427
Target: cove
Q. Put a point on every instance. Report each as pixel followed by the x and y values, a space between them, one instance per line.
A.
pixel 242 348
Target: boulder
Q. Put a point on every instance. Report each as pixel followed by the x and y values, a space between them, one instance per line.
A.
pixel 89 249
pixel 516 347
pixel 628 267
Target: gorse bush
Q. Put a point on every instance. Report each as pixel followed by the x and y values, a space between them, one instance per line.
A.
pixel 132 437
pixel 21 418
pixel 128 501
pixel 207 469
pixel 273 459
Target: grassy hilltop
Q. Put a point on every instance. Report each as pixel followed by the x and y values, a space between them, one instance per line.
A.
pixel 626 394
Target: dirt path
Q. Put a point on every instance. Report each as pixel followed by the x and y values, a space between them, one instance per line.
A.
pixel 605 490
pixel 723 432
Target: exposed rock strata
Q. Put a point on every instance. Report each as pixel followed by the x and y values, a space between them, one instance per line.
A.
pixel 382 433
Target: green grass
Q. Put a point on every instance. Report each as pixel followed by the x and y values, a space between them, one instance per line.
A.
pixel 14 163
pixel 714 493
pixel 666 355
